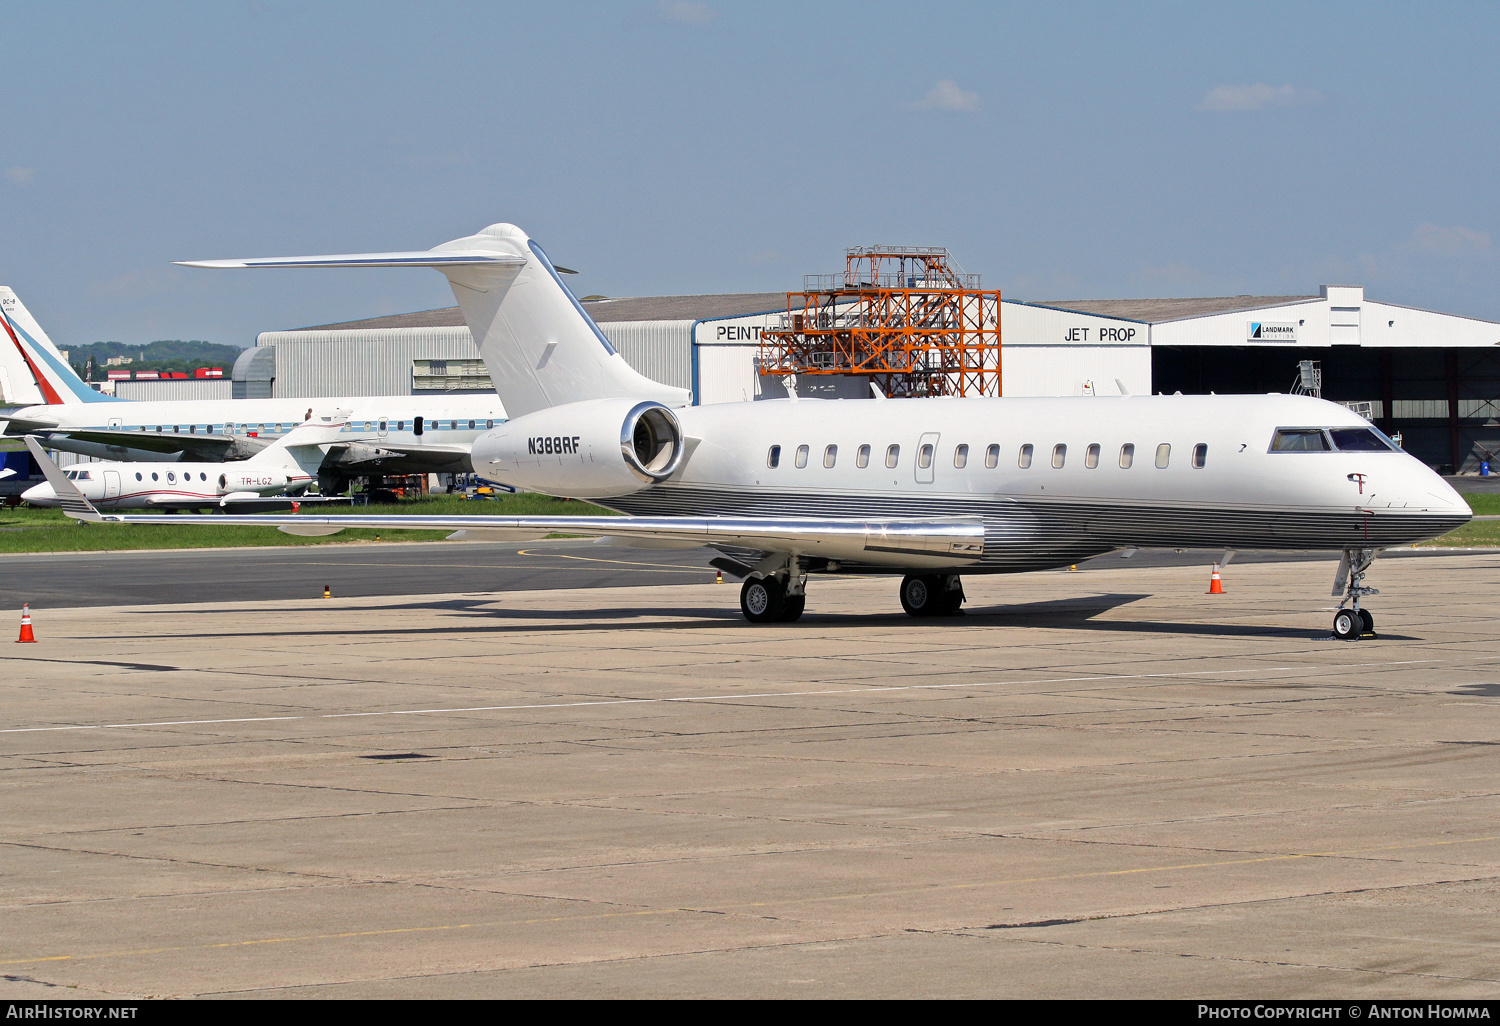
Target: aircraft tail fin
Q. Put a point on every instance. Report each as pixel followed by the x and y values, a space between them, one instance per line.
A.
pixel 306 444
pixel 541 347
pixel 52 379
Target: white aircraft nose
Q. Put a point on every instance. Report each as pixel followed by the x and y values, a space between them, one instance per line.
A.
pixel 1447 497
pixel 40 494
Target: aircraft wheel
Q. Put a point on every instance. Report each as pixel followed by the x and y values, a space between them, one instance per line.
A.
pixel 952 599
pixel 762 599
pixel 922 595
pixel 792 611
pixel 1347 625
pixel 1367 621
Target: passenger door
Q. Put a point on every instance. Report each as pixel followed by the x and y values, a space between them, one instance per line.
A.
pixel 111 484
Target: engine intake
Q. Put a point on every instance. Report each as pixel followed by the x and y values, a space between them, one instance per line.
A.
pixel 651 440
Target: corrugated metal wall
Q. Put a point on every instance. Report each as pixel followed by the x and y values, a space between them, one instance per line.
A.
pixel 661 350
pixel 359 363
pixel 176 388
pixel 379 361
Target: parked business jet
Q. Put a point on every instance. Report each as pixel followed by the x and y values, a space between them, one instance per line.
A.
pixel 931 489
pixel 286 467
pixel 389 434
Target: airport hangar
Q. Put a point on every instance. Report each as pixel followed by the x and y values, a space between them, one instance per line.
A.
pixel 1432 377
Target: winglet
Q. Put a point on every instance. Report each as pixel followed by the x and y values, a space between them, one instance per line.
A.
pixel 68 496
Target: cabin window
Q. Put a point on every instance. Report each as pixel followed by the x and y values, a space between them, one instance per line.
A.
pixel 1059 456
pixel 773 458
pixel 893 456
pixel 278 429
pixel 801 456
pixel 209 429
pixel 1091 456
pixel 400 425
pixel 471 425
pixel 924 456
pixel 1163 456
pixel 137 475
pixel 202 477
pixel 158 429
pixel 153 475
pixel 1200 455
pixel 489 424
pixel 383 424
pixel 961 457
pixel 992 457
pixel 171 477
pixel 1127 455
pixel 830 456
pixel 862 457
pixel 192 429
pixel 453 425
pixel 1025 460
pixel 176 429
pixel 1299 440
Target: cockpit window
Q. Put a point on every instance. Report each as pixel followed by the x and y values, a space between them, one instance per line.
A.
pixel 1299 440
pixel 1361 440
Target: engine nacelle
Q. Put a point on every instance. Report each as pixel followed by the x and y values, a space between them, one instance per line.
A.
pixel 591 449
pixel 261 482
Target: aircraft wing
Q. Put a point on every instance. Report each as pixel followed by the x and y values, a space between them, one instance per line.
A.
pixel 208 448
pixel 946 541
pixel 939 541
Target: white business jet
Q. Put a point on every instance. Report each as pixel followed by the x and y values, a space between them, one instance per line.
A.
pixel 930 489
pixel 286 467
pixel 386 434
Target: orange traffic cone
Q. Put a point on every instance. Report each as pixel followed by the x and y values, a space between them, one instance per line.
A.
pixel 327 591
pixel 26 634
pixel 1215 584
pixel 719 577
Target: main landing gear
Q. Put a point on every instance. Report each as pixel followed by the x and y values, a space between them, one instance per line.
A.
pixel 780 595
pixel 932 594
pixel 775 598
pixel 1353 623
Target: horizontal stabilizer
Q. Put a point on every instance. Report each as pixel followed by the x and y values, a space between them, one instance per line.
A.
pixel 419 258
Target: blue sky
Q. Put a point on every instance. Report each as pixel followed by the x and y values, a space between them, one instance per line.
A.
pixel 1062 150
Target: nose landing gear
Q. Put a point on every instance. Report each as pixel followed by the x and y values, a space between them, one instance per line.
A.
pixel 1353 623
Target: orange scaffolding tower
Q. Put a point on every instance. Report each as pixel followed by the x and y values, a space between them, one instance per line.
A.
pixel 899 315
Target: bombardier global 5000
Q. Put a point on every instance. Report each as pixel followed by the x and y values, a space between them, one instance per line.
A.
pixel 930 489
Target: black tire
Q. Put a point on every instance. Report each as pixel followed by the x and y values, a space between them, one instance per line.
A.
pixel 952 599
pixel 791 612
pixel 1347 625
pixel 1367 621
pixel 922 595
pixel 762 599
